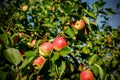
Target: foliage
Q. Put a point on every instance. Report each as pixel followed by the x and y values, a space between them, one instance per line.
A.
pixel 97 50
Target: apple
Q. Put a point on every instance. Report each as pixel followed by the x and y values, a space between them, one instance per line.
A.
pixel 32 43
pixel 45 49
pixel 86 75
pixel 38 62
pixel 78 24
pixel 59 43
pixel 24 7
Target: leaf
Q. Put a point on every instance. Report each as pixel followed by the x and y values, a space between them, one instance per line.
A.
pixel 48 24
pixel 90 14
pixel 55 56
pixel 3 75
pixel 69 32
pixel 110 10
pixel 3 38
pixel 27 61
pixel 95 70
pixel 61 68
pixel 102 74
pixel 10 39
pixel 93 59
pixel 95 5
pixel 12 55
pixel 65 51
pixel 29 53
pixel 86 20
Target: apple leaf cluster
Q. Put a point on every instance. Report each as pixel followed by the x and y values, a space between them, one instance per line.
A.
pixel 57 40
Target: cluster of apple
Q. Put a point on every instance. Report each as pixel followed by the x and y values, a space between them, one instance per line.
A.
pixel 46 48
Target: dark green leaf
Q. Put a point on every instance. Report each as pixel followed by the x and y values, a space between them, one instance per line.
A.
pixel 3 75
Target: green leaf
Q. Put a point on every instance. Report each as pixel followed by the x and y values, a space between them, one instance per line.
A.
pixel 29 53
pixel 3 38
pixel 95 5
pixel 27 61
pixel 61 68
pixel 65 51
pixel 48 24
pixel 90 14
pixel 12 55
pixel 86 50
pixel 69 32
pixel 86 20
pixel 93 59
pixel 102 74
pixel 10 39
pixel 3 75
pixel 95 70
pixel 55 56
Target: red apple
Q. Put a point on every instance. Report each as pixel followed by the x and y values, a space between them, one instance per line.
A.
pixel 45 49
pixel 38 63
pixel 59 43
pixel 86 75
pixel 78 24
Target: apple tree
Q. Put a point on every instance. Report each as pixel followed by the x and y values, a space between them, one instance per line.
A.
pixel 57 40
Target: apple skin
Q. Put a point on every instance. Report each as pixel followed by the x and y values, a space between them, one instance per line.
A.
pixel 59 43
pixel 86 75
pixel 45 49
pixel 38 62
pixel 78 24
pixel 32 43
pixel 24 8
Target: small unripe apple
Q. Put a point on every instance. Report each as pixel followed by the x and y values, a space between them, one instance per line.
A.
pixel 38 63
pixel 45 49
pixel 59 43
pixel 32 43
pixel 79 24
pixel 86 75
pixel 24 7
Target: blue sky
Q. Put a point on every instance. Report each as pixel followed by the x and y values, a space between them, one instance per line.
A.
pixel 114 19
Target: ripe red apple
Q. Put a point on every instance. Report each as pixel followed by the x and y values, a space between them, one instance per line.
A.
pixel 24 7
pixel 86 75
pixel 45 49
pixel 59 43
pixel 79 24
pixel 38 63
